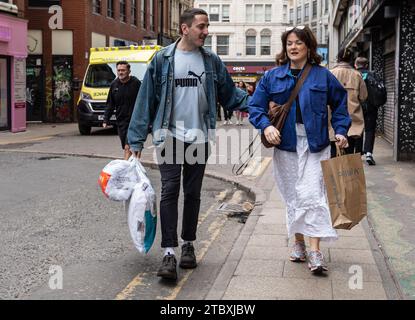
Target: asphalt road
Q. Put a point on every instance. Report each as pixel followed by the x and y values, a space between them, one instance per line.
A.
pixel 55 217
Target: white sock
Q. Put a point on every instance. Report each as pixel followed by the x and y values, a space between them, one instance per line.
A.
pixel 169 251
pixel 368 154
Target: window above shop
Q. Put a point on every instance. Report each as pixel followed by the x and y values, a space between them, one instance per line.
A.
pixel 96 6
pixel 217 12
pixel 8 6
pixel 258 12
pixel 43 3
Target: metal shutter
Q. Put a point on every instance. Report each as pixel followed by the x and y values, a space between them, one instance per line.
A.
pixel 389 108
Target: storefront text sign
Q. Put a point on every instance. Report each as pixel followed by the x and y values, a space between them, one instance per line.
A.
pixel 20 82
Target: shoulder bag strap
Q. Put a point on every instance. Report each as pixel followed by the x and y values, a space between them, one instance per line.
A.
pixel 298 86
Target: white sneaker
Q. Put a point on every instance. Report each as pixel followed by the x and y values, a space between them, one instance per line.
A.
pixel 230 122
pixel 225 122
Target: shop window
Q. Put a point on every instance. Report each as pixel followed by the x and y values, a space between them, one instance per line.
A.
pixel 306 12
pixel 222 47
pixel 96 6
pixel 143 14
pixel 110 8
pixel 133 12
pixel 265 42
pixel 123 13
pixel 208 42
pixel 250 42
pixel 225 13
pixel 268 12
pixel 314 9
pixel 214 13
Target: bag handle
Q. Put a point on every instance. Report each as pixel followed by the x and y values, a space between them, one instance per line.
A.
pixel 340 151
pixel 297 87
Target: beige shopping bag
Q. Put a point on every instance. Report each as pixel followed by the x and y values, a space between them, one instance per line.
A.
pixel 346 189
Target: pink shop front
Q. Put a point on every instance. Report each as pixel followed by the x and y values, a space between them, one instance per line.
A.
pixel 13 53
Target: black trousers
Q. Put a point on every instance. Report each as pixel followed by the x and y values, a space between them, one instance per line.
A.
pixel 122 129
pixel 370 129
pixel 355 145
pixel 177 157
pixel 227 113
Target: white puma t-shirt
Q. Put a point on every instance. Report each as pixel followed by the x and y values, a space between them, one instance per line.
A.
pixel 189 119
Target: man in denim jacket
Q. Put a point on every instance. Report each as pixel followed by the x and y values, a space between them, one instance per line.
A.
pixel 177 102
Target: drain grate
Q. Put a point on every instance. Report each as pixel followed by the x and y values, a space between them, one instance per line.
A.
pixel 51 158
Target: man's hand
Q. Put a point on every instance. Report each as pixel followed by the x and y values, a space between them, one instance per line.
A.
pixel 104 125
pixel 271 104
pixel 272 135
pixel 341 141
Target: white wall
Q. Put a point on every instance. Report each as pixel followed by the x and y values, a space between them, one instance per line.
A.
pixel 237 27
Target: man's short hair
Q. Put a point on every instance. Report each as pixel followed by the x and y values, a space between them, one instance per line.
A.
pixel 124 63
pixel 361 62
pixel 188 15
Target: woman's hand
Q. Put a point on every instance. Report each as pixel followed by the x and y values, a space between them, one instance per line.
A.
pixel 341 141
pixel 272 135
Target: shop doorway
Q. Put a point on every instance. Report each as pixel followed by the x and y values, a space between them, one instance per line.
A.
pixel 62 88
pixel 35 89
pixel 5 112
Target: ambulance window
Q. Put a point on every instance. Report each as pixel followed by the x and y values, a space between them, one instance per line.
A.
pixel 138 69
pixel 100 75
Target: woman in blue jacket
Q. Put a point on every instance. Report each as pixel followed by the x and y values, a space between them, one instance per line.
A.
pixel 304 140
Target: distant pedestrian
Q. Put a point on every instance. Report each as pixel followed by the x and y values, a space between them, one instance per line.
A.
pixel 352 81
pixel 180 112
pixel 240 115
pixel 250 88
pixel 376 98
pixel 304 139
pixel 121 98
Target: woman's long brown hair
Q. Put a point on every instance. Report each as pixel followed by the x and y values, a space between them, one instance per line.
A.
pixel 305 35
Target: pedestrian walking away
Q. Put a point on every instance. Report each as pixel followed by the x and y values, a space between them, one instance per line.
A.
pixel 370 107
pixel 121 98
pixel 353 82
pixel 304 139
pixel 177 103
pixel 240 115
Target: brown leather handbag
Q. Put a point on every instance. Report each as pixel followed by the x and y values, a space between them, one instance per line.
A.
pixel 278 113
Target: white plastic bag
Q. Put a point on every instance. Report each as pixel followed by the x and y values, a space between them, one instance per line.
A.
pixel 142 211
pixel 118 179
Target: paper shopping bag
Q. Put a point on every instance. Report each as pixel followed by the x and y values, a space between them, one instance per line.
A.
pixel 346 190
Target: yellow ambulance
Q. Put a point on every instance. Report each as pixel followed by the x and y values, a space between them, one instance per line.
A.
pixel 100 73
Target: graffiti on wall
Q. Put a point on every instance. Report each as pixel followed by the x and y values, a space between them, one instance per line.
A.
pixel 62 88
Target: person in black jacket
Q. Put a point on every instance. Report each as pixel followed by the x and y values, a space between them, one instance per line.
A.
pixel 121 97
pixel 370 113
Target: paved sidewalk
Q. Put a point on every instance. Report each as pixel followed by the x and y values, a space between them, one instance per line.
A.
pixel 258 265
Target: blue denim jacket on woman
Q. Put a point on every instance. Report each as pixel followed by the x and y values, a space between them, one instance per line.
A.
pixel 320 89
pixel 154 101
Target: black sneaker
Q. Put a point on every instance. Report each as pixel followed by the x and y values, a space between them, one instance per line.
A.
pixel 188 258
pixel 168 267
pixel 370 161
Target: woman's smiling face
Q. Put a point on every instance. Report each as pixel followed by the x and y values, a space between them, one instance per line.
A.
pixel 296 48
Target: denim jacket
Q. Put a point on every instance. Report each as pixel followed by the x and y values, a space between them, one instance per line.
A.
pixel 154 101
pixel 320 89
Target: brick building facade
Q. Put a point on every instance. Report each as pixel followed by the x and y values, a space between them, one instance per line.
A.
pixel 59 56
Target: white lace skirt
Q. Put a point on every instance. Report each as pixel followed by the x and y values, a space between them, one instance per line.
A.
pixel 300 181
